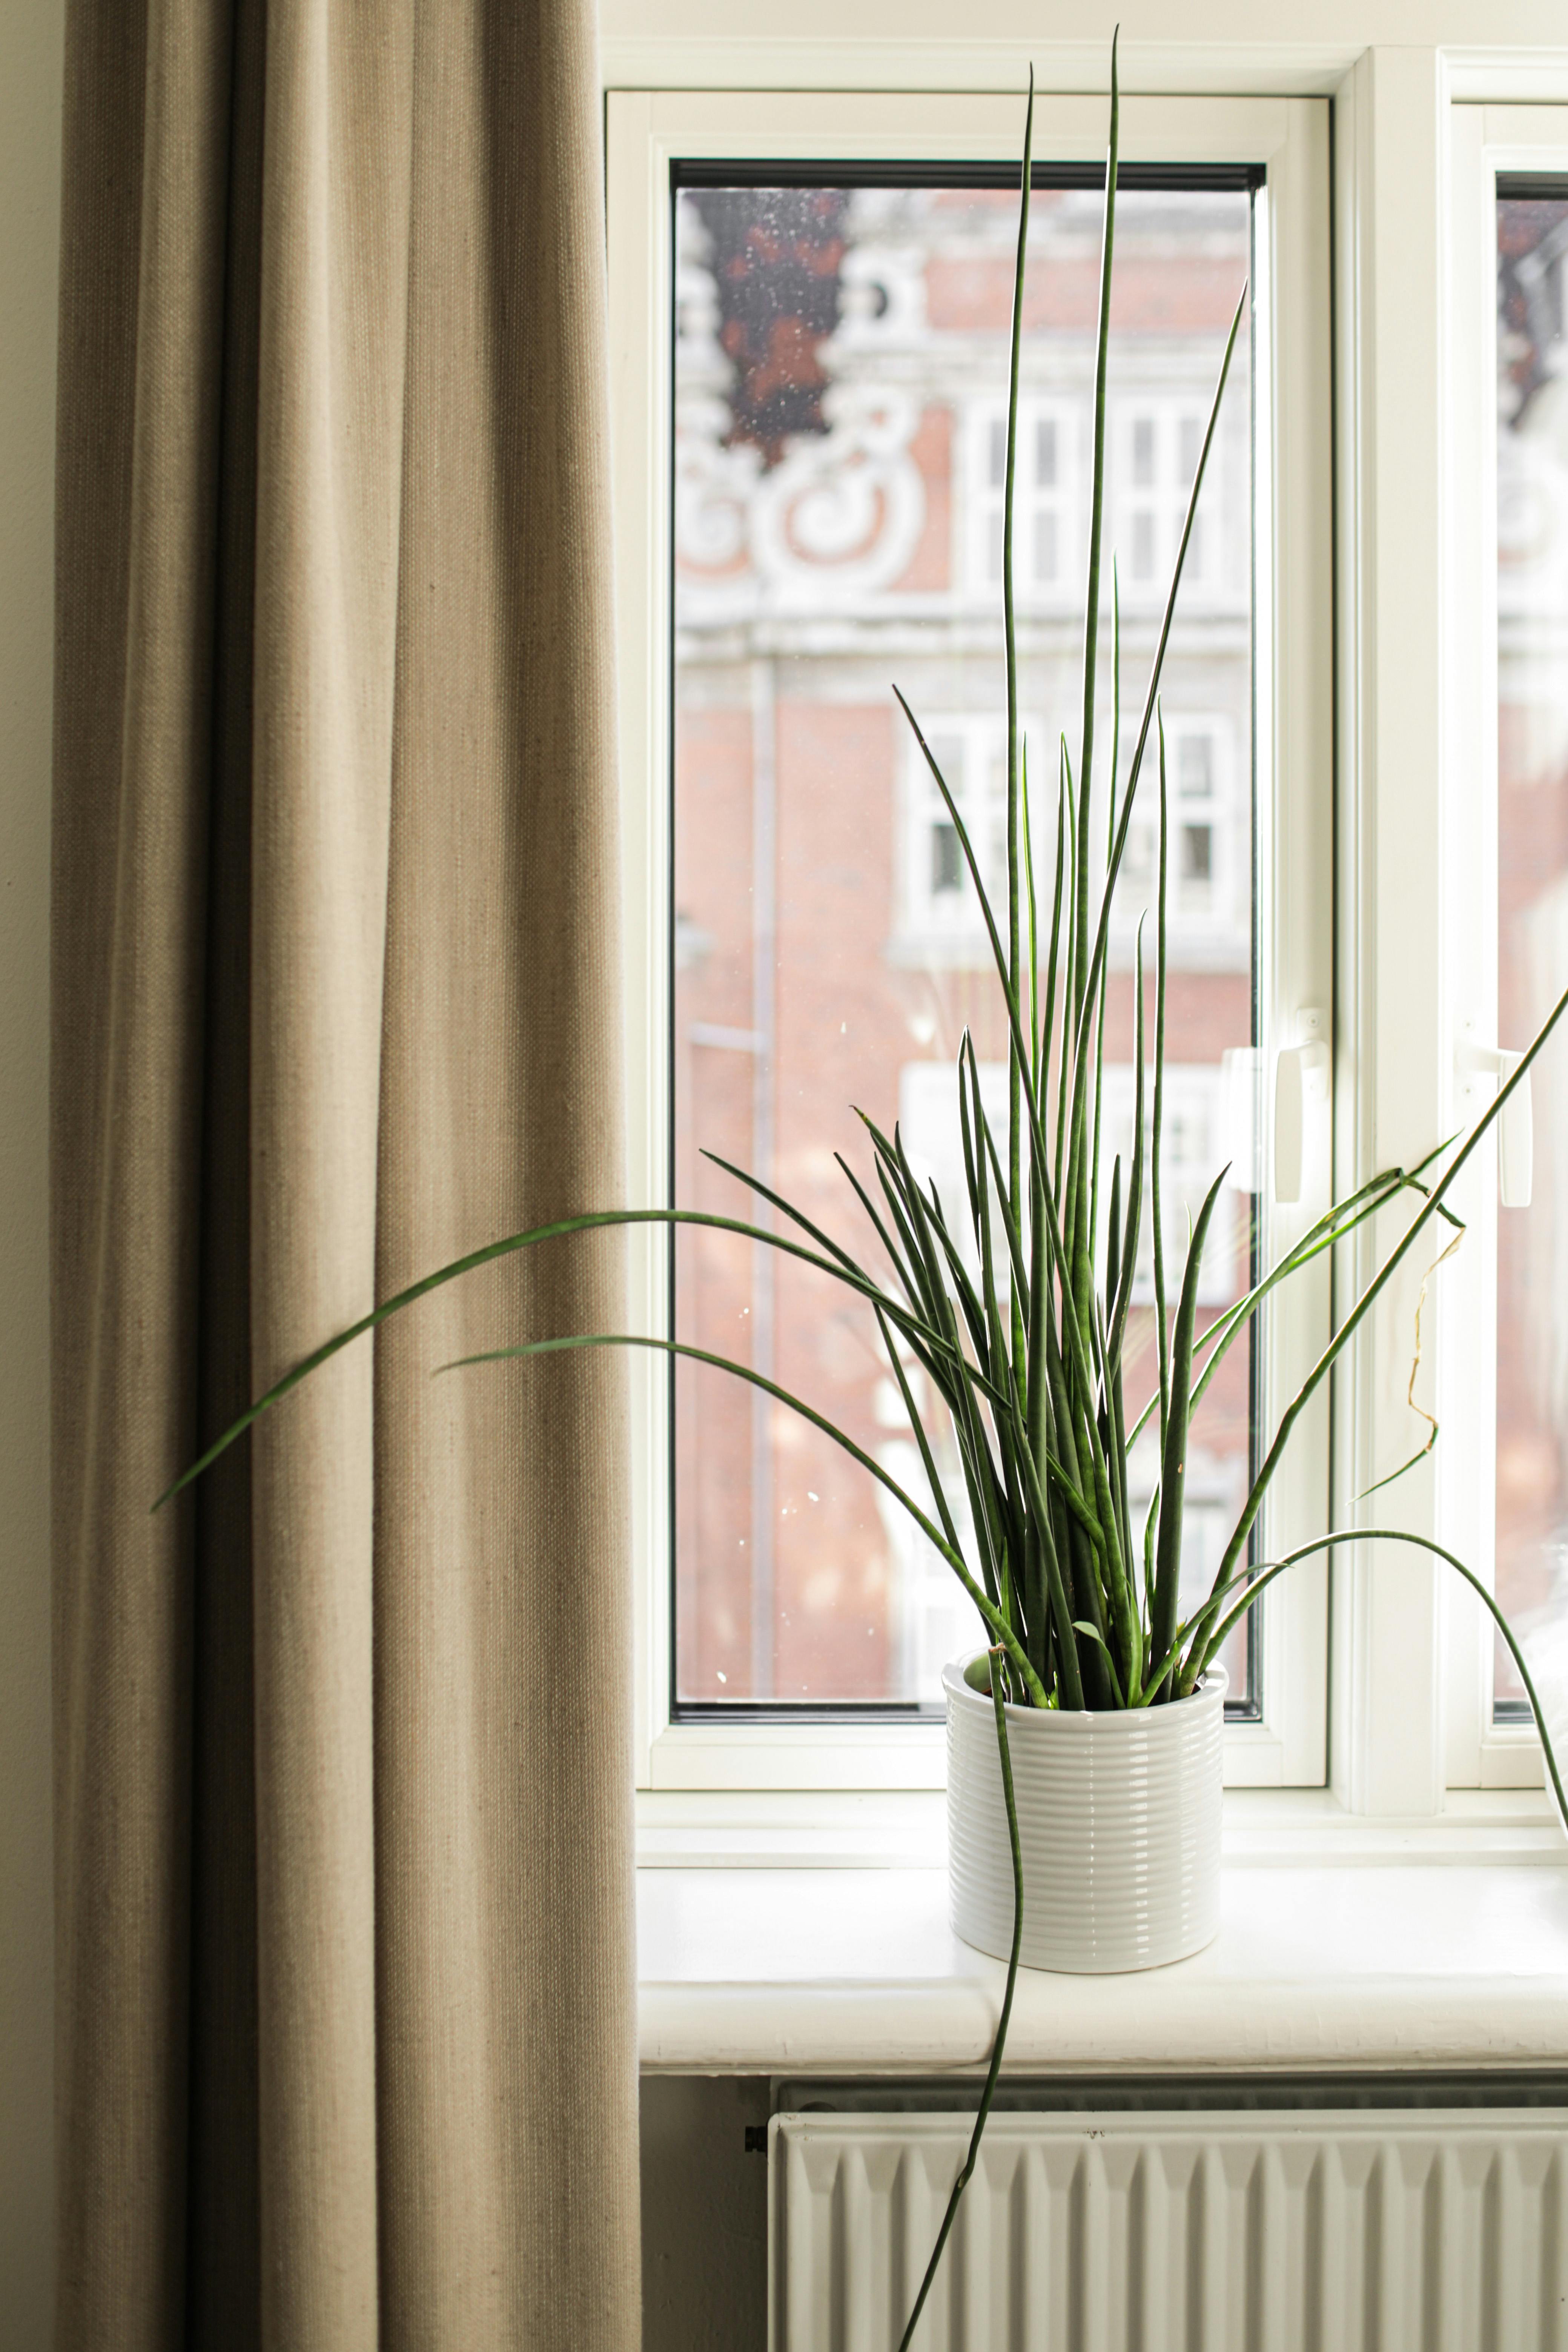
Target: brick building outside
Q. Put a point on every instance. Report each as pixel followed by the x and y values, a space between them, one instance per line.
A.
pixel 841 374
pixel 1533 918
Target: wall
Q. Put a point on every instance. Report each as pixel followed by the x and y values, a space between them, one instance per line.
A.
pixel 704 2215
pixel 30 41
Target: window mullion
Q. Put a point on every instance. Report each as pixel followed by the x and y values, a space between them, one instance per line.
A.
pixel 1393 1092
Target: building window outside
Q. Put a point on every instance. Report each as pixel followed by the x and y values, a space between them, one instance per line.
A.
pixel 1209 916
pixel 840 369
pixel 1049 531
pixel 939 913
pixel 1160 441
pixel 1208 848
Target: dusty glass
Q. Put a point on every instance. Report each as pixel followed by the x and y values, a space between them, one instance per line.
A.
pixel 1533 922
pixel 840 373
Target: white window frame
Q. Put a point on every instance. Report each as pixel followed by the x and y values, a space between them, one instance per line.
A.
pixel 1482 141
pixel 646 129
pixel 1416 633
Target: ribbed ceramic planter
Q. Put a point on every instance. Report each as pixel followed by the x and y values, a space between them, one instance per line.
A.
pixel 1119 1818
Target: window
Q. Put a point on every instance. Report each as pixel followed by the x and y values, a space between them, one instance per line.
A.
pixel 1050 533
pixel 939 918
pixel 1531 1508
pixel 1160 441
pixel 788 1587
pixel 1210 881
pixel 835 389
pixel 1506 1498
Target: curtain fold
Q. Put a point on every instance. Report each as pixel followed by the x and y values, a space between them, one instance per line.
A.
pixel 346 2022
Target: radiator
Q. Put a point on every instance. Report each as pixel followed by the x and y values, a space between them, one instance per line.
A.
pixel 1414 2230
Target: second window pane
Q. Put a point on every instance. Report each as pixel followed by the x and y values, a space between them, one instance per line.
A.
pixel 1533 922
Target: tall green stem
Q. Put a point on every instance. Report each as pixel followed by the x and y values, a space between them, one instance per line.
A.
pixel 1096 527
pixel 1371 1295
pixel 997 2047
pixel 1010 634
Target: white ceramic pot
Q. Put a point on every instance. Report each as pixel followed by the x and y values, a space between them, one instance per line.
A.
pixel 1119 1820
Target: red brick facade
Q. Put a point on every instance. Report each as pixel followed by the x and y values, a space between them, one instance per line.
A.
pixel 823 959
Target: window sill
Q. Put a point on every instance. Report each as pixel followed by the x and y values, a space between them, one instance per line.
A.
pixel 905 1829
pixel 1343 1944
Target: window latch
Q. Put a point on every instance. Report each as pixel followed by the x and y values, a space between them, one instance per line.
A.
pixel 1300 1103
pixel 1474 1064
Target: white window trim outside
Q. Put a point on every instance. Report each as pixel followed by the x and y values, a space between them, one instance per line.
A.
pixel 953 937
pixel 1200 1087
pixel 646 129
pixel 1194 935
pixel 974 516
pixel 1165 498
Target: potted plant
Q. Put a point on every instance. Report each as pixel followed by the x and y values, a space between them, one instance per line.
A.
pixel 1085 1736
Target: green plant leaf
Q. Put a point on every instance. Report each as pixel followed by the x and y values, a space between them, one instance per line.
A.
pixel 933 1533
pixel 1173 1463
pixel 1373 1291
pixel 994 2069
pixel 557 1230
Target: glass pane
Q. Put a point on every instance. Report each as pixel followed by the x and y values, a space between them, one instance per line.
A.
pixel 1532 912
pixel 841 372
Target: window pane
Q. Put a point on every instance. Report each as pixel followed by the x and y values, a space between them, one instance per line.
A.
pixel 1533 908
pixel 1143 451
pixel 946 859
pixel 1198 853
pixel 841 369
pixel 1192 445
pixel 1194 767
pixel 1044 546
pixel 1045 451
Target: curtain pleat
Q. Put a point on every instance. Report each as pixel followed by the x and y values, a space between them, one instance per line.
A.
pixel 346 2023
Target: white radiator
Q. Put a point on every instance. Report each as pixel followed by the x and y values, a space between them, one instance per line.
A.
pixel 1393 2231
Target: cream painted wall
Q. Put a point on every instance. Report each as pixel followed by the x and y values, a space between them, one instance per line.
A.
pixel 704 2214
pixel 30 42
pixel 1168 45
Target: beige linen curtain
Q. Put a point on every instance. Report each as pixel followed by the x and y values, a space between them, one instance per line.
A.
pixel 346 2017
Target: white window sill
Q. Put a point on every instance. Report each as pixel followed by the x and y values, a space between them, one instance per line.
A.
pixel 1342 1944
pixel 894 1829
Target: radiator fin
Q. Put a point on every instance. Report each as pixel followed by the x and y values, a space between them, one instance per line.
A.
pixel 1424 2231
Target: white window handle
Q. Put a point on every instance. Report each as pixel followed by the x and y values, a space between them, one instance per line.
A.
pixel 1516 1139
pixel 1516 1128
pixel 1300 1094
